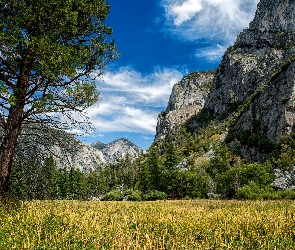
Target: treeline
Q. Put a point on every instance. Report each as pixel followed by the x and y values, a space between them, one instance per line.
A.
pixel 178 169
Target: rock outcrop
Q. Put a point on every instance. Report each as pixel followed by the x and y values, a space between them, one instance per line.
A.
pixel 284 179
pixel 187 98
pixel 255 78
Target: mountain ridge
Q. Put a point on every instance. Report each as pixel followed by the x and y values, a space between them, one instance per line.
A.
pixel 253 86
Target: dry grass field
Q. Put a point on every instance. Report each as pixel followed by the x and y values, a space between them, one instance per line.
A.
pixel 200 224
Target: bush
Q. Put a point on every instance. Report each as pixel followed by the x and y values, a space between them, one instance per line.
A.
pixel 155 195
pixel 113 196
pixel 287 194
pixel 133 195
pixel 252 191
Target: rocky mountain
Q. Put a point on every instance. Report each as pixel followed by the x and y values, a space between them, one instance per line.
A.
pixel 187 98
pixel 117 149
pixel 258 71
pixel 67 151
pixel 89 157
pixel 231 123
pixel 252 89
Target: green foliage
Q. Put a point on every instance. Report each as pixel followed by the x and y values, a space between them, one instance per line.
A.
pixel 113 195
pixel 220 163
pixel 194 184
pixel 155 195
pixel 96 183
pixel 133 195
pixel 25 182
pixel 171 159
pixel 253 191
pixel 49 55
pixel 229 182
pixel 284 157
pixel 202 119
pixel 78 184
pixel 252 139
pixel 58 42
pixel 154 174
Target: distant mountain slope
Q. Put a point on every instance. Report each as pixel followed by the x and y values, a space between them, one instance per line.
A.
pixel 38 142
pixel 117 149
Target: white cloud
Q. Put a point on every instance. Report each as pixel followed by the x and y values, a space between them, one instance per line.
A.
pixel 212 53
pixel 185 11
pixel 130 101
pixel 129 86
pixel 208 20
pixel 77 132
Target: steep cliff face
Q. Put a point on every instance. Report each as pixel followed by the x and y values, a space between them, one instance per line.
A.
pixel 255 79
pixel 187 98
pixel 253 89
pixel 260 66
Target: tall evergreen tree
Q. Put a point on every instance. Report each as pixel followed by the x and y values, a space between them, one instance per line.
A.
pixel 154 170
pixel 171 172
pixel 48 50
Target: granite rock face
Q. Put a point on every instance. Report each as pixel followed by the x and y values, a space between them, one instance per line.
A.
pixel 187 98
pixel 284 179
pixel 259 69
pixel 91 157
pixel 82 157
pixel 262 58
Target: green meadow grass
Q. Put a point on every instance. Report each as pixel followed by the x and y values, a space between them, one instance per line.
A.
pixel 200 224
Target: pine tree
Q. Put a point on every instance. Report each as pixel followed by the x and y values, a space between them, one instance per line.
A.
pixel 154 170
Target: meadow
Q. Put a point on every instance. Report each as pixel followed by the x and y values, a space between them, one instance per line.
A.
pixel 196 224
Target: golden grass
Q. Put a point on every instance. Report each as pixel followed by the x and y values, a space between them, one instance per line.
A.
pixel 201 224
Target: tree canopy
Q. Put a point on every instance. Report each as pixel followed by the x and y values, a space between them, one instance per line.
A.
pixel 50 52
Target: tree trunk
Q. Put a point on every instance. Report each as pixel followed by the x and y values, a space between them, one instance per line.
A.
pixel 8 144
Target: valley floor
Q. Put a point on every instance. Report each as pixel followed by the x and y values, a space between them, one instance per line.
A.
pixel 197 224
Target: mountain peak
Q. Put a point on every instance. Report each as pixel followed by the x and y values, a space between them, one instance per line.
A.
pixel 274 16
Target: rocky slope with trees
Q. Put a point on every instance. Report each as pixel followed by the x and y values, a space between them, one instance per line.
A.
pixel 247 114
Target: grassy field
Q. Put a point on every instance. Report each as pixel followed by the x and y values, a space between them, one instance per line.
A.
pixel 201 224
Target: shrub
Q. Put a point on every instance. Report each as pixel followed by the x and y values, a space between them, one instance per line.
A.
pixel 113 196
pixel 252 191
pixel 155 195
pixel 133 195
pixel 287 194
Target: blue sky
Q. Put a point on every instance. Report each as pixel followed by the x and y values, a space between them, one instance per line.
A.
pixel 160 41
